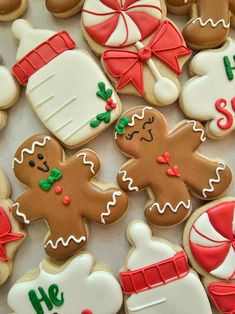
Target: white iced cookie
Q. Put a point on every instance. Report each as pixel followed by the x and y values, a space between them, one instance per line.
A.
pixel 157 279
pixel 12 9
pixel 11 233
pixel 75 287
pixel 9 93
pixel 209 95
pixel 65 86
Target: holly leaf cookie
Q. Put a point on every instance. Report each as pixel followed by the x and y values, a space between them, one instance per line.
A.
pixel 11 233
pixel 209 238
pixel 63 85
pixel 167 165
pixel 78 286
pixel 209 94
pixel 157 278
pixel 64 193
pixel 12 9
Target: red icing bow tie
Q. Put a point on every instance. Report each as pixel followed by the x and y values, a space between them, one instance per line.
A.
pixel 6 235
pixel 223 296
pixel 166 44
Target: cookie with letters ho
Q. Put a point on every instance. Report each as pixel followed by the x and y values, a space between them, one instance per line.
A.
pixel 157 279
pixel 78 286
pixel 160 159
pixel 63 192
pixel 209 241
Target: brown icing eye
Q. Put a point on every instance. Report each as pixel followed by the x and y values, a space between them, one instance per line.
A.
pixel 40 156
pixel 150 121
pixel 131 135
pixel 32 163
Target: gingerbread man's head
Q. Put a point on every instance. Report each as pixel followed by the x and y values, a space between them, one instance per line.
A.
pixel 35 158
pixel 139 129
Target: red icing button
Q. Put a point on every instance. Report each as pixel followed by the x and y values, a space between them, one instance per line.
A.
pixel 66 200
pixel 86 312
pixel 58 189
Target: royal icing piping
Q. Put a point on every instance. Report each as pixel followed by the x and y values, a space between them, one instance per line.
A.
pixel 211 22
pixel 87 162
pixel 195 129
pixel 212 181
pixel 31 151
pixel 130 184
pixel 139 117
pixel 65 242
pixel 168 205
pixel 26 221
pixel 110 204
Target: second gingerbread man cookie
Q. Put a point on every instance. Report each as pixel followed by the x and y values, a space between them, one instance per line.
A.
pixel 167 165
pixel 63 193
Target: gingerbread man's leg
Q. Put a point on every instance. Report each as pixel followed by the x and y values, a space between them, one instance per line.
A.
pixel 105 206
pixel 170 203
pixel 207 179
pixel 67 236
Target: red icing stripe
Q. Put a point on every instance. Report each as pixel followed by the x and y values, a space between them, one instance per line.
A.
pixel 223 296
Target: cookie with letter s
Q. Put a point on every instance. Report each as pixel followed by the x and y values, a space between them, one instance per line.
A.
pixel 11 232
pixel 210 21
pixel 209 95
pixel 64 8
pixel 78 286
pixel 141 51
pixel 60 82
pixel 209 241
pixel 160 159
pixel 157 279
pixel 63 192
pixel 12 9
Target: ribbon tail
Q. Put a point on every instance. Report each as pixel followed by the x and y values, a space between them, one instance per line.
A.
pixel 3 255
pixel 223 296
pixel 10 237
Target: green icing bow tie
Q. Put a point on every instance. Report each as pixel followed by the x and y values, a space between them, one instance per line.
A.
pixel 46 184
pixel 121 127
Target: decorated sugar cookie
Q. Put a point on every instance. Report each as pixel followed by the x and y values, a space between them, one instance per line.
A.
pixel 60 82
pixel 157 279
pixel 64 193
pixel 153 50
pixel 160 160
pixel 209 238
pixel 11 233
pixel 209 95
pixel 210 21
pixel 12 9
pixel 64 8
pixel 9 93
pixel 67 289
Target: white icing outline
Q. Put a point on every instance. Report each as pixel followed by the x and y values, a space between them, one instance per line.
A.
pixel 30 151
pixel 195 129
pixel 110 203
pixel 125 179
pixel 136 116
pixel 211 22
pixel 142 307
pixel 174 210
pixel 63 242
pixel 20 214
pixel 85 162
pixel 212 181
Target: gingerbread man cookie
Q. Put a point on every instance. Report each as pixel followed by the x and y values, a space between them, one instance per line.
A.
pixel 209 240
pixel 160 160
pixel 142 52
pixel 63 192
pixel 62 81
pixel 12 9
pixel 209 96
pixel 210 21
pixel 11 233
pixel 75 287
pixel 9 93
pixel 64 8
pixel 157 279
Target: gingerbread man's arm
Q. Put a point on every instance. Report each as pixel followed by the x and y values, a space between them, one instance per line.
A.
pixel 85 163
pixel 26 209
pixel 188 136
pixel 131 178
pixel 102 205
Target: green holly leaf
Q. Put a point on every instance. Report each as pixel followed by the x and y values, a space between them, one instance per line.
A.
pixel 107 117
pixel 102 95
pixel 101 86
pixel 95 123
pixel 109 93
pixel 101 116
